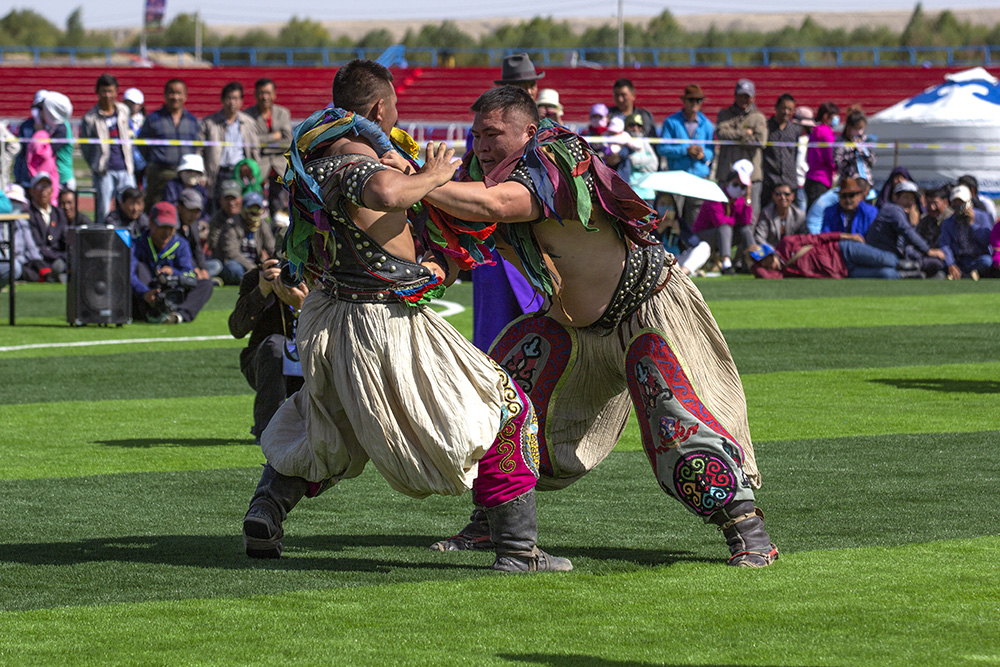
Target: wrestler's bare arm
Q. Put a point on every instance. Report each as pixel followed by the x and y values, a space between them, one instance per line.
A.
pixel 504 202
pixel 390 190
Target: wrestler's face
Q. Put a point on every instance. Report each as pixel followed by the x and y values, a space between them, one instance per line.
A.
pixel 498 134
pixel 386 114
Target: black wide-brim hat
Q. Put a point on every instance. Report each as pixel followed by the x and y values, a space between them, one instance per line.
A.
pixel 518 68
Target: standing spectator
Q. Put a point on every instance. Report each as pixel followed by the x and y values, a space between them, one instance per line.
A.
pixel 598 123
pixel 745 125
pixel 171 121
pixel 245 244
pixel 48 228
pixel 894 230
pixel 42 160
pixel 53 117
pixel 938 209
pixel 158 254
pixel 247 174
pixel 624 91
pixel 718 221
pixel 128 214
pixel 851 214
pixel 268 310
pixel 273 124
pixel 110 160
pixel 190 174
pixel 778 164
pixel 234 127
pixel 822 168
pixel 779 218
pixel 135 100
pixel 693 154
pixel 981 203
pixel 549 106
pixel 69 204
pixel 852 154
pixel 804 119
pixel 11 149
pixel 24 133
pixel 518 70
pixel 965 237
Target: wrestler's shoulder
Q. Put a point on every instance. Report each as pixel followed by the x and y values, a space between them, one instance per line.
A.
pixel 348 146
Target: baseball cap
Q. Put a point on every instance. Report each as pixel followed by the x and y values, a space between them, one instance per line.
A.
pixel 616 125
pixel 44 176
pixel 191 199
pixel 906 186
pixel 634 119
pixel 599 110
pixel 745 87
pixel 961 193
pixel 759 252
pixel 191 162
pixel 804 116
pixel 16 193
pixel 163 214
pixel 231 189
pixel 744 170
pixel 134 95
pixel 253 199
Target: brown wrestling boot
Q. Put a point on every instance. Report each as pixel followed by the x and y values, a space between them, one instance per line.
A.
pixel 275 496
pixel 514 532
pixel 743 526
pixel 475 536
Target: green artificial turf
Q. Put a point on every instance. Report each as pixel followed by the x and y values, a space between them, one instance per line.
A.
pixel 873 407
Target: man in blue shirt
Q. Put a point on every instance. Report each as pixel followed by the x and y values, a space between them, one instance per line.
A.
pixel 851 215
pixel 693 153
pixel 171 121
pixel 165 288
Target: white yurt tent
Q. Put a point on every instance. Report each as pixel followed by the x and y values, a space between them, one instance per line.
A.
pixel 963 113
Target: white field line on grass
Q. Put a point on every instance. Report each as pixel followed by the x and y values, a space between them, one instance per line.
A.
pixel 448 308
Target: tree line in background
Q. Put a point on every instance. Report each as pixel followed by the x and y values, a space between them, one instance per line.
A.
pixel 24 27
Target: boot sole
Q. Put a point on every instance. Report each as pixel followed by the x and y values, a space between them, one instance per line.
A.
pixel 257 539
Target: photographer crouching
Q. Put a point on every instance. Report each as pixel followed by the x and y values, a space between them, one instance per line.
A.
pixel 165 286
pixel 268 309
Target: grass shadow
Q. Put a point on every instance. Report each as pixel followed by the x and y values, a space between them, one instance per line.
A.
pixel 943 385
pixel 135 443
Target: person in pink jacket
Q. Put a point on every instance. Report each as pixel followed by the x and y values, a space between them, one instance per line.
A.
pixel 42 158
pixel 717 222
pixel 822 167
pixel 995 248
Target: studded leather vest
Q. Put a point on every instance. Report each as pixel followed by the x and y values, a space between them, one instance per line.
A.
pixel 358 268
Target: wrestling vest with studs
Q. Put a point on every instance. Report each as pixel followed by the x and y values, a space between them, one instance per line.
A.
pixel 357 267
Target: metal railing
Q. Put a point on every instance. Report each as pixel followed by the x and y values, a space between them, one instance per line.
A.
pixel 768 56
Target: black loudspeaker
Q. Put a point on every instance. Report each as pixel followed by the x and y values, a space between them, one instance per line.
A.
pixel 99 290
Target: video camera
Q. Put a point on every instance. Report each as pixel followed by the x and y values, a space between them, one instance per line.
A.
pixel 173 288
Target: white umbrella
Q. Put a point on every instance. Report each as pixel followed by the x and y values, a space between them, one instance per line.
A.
pixel 684 184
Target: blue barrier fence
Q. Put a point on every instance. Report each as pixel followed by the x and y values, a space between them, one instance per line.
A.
pixel 809 56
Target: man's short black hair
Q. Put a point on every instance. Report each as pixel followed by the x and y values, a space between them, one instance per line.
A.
pixel 942 192
pixel 230 87
pixel 128 194
pixel 507 98
pixel 106 80
pixel 787 97
pixel 67 191
pixel 260 83
pixel 624 83
pixel 171 82
pixel 359 84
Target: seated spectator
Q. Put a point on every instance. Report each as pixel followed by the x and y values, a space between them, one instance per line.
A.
pixel 814 216
pixel 981 203
pixel 718 221
pixel 549 106
pixel 894 230
pixel 130 212
pixel 853 156
pixel 995 245
pixel 598 120
pixel 246 243
pixel 48 228
pixel 779 218
pixel 227 214
pixel 190 174
pixel 194 230
pixel 268 310
pixel 965 237
pixel 819 156
pixel 896 176
pixel 851 214
pixel 642 158
pixel 938 209
pixel 68 202
pixel 27 261
pixel 165 289
pixel 829 255
pixel 247 173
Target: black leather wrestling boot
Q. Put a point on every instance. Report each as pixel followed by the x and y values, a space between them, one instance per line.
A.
pixel 475 535
pixel 743 526
pixel 514 532
pixel 274 498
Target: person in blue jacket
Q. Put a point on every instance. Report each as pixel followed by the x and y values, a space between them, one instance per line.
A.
pixel 851 214
pixel 165 289
pixel 691 127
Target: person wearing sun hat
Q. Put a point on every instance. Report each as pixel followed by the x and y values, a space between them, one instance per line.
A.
pixel 548 104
